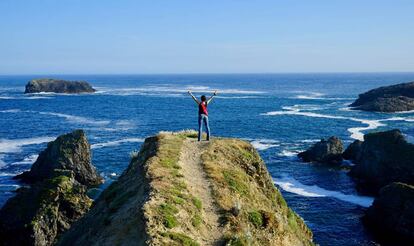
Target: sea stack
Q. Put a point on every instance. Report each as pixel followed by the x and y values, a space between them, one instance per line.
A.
pixel 56 197
pixel 394 98
pixel 58 86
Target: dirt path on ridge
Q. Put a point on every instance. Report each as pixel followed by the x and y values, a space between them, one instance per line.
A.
pixel 199 185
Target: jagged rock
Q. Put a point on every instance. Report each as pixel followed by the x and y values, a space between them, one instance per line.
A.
pixel 384 157
pixel 391 216
pixel 353 151
pixel 393 98
pixel 58 86
pixel 37 215
pixel 325 151
pixel 69 152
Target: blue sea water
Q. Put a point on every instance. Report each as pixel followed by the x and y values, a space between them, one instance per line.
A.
pixel 281 114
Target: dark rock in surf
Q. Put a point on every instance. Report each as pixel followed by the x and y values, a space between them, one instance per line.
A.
pixel 353 151
pixel 58 86
pixel 394 98
pixel 68 152
pixel 384 157
pixel 325 151
pixel 391 216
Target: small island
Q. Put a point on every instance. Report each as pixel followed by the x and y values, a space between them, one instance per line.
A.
pixel 58 86
pixel 394 98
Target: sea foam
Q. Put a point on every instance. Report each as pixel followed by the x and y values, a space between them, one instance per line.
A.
pixel 293 186
pixel 116 142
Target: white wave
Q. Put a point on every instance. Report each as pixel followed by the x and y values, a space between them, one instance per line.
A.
pixel 6 97
pixel 293 186
pixel 27 160
pixel 77 119
pixel 288 153
pixel 15 145
pixel 356 132
pixel 116 142
pixel 264 144
pixel 309 140
pixel 162 89
pixel 10 111
pixel 238 97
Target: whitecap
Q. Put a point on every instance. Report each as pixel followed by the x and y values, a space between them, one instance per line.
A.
pixel 77 119
pixel 15 145
pixel 27 160
pixel 293 186
pixel 10 111
pixel 116 142
pixel 288 153
pixel 264 144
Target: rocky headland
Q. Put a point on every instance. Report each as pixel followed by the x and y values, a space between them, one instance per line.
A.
pixel 56 197
pixel 178 191
pixel 394 98
pixel 58 86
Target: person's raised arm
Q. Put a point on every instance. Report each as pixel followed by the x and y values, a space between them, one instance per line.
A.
pixel 194 98
pixel 211 98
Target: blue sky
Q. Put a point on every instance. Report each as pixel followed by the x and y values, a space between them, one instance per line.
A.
pixel 106 37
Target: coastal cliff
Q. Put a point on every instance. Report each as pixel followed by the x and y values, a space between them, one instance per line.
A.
pixel 58 86
pixel 177 191
pixel 56 197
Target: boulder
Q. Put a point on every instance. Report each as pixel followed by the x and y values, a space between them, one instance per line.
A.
pixel 68 152
pixel 353 151
pixel 393 98
pixel 37 215
pixel 325 151
pixel 391 216
pixel 384 157
pixel 58 86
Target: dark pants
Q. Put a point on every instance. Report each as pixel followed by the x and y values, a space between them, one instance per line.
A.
pixel 203 118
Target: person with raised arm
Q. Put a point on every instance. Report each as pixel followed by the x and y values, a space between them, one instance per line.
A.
pixel 203 113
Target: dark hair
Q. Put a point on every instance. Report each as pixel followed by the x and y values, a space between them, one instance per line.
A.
pixel 203 98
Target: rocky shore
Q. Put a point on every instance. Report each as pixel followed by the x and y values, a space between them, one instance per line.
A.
pixel 58 86
pixel 56 196
pixel 394 98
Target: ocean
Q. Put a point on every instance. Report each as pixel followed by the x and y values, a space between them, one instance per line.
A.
pixel 280 114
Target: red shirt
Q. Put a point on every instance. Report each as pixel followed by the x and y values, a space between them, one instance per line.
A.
pixel 202 108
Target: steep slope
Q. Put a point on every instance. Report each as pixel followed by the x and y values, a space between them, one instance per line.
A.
pixel 178 191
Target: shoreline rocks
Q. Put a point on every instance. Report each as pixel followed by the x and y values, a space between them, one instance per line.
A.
pixel 58 86
pixel 325 151
pixel 382 158
pixel 394 98
pixel 56 197
pixel 391 216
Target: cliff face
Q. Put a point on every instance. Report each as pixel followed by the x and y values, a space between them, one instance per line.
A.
pixel 392 214
pixel 178 191
pixel 382 158
pixel 38 214
pixel 393 98
pixel 58 86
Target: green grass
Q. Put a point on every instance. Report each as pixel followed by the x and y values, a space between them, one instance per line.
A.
pixel 196 220
pixel 168 212
pixel 197 203
pixel 256 218
pixel 235 180
pixel 181 239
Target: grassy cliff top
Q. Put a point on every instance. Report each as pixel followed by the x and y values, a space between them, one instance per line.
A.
pixel 177 191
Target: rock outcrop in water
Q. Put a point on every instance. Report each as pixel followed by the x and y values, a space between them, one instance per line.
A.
pixel 38 214
pixel 58 86
pixel 384 157
pixel 325 151
pixel 393 98
pixel 391 216
pixel 353 151
pixel 178 191
pixel 68 152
